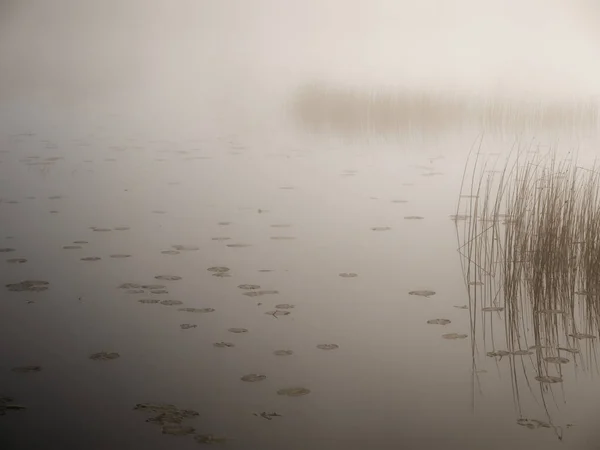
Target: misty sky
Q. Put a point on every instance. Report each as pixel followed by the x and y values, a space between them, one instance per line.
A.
pixel 87 50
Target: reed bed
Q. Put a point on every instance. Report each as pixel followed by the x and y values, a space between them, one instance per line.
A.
pixel 323 108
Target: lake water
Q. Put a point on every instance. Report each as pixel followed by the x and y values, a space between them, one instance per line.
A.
pixel 305 210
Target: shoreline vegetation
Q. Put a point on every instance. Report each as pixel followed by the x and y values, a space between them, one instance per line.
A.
pixel 323 108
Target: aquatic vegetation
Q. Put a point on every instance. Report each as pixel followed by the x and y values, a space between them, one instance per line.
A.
pixel 72 247
pixel 153 286
pixel 238 245
pixel 582 336
pixel 101 229
pixel 171 302
pixel 454 336
pixel 177 429
pixel 237 330
pixel 16 261
pixel 7 250
pixel 29 286
pixel 121 228
pixel 120 255
pixel 129 286
pixel 80 242
pixel 197 310
pixel 282 238
pixel 438 322
pixel 348 275
pixel 168 277
pixel 170 252
pixel 249 286
pixel 284 306
pixel 6 404
pixel 186 248
pixel 413 217
pixel 422 293
pixel 134 291
pixel 223 344
pixel 381 228
pixel 548 379
pixel 27 369
pixel 499 353
pixel 556 360
pixel 91 258
pixel 209 439
pixel 149 301
pixel 253 377
pixel 278 313
pixel 492 309
pixel 259 293
pixel 223 238
pixel 266 415
pixel 293 391
pixel 283 352
pixel 328 346
pixel 218 269
pixel 187 326
pixel 281 225
pixel 104 356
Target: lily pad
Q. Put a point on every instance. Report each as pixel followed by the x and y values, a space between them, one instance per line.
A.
pixel 159 291
pixel 293 391
pixel 492 309
pixel 259 293
pixel 381 228
pixel 283 352
pixel 187 326
pixel 91 258
pixel 186 248
pixel 549 379
pixel 149 301
pixel 101 229
pixel 475 283
pixel 171 302
pixel 277 313
pixel 438 322
pixel 72 247
pixel 348 275
pixel 7 250
pixel 284 306
pixel 121 228
pixel 221 275
pixel 238 245
pixel 16 261
pixel 223 344
pixel 222 238
pixel 27 369
pixel 28 286
pixel 283 238
pixel 129 286
pixel 237 330
pixel 170 252
pixel 168 277
pixel 522 352
pixel 153 286
pixel 224 223
pixel 218 269
pixel 249 286
pixel 328 346
pixel 550 311
pixel 120 255
pixel 197 310
pixel 556 360
pixel 570 350
pixel 253 377
pixel 413 217
pixel 423 293
pixel 104 356
pixel 454 336
pixel 461 306
pixel 266 415
pixel 134 291
pixel 500 353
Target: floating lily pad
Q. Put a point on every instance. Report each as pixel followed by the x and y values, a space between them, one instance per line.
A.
pixel 72 247
pixel 293 391
pixel 91 258
pixel 556 360
pixel 120 255
pixel 277 313
pixel 197 310
pixel 438 322
pixel 16 261
pixel 266 270
pixel 222 238
pixel 224 223
pixel 134 291
pixel 223 344
pixel 209 439
pixel 237 330
pixel 186 248
pixel 153 286
pixel 283 352
pixel 121 228
pixel 80 242
pixel 104 356
pixel 238 245
pixel 7 250
pixel 171 302
pixel 460 217
pixel 159 291
pixel 328 346
pixel 413 217
pixel 461 306
pixel 101 229
pixel 381 228
pixel 170 252
pixel 454 336
pixel 475 283
pixel 149 301
pixel 522 352
pixel 500 353
pixel 549 379
pixel 221 275
pixel 249 286
pixel 266 415
pixel 492 309
pixel 187 326
pixel 168 277
pixel 348 275
pixel 423 293
pixel 283 238
pixel 253 377
pixel 582 336
pixel 570 350
pixel 259 293
pixel 399 201
pixel 218 269
pixel 27 369
pixel 550 311
pixel 129 286
pixel 284 306
pixel 28 286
